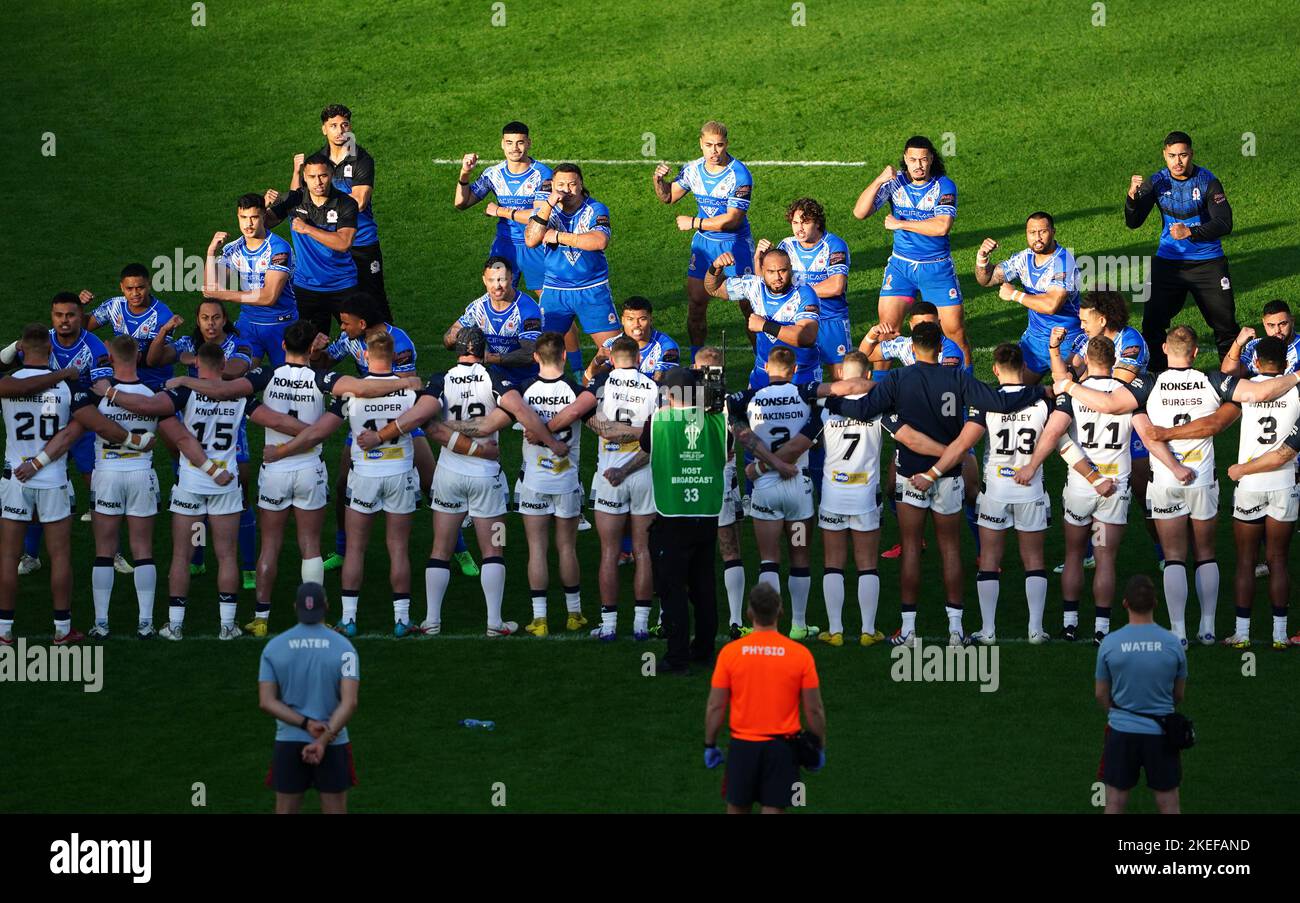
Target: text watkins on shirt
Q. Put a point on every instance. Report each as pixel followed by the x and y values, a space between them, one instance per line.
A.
pixel 946 664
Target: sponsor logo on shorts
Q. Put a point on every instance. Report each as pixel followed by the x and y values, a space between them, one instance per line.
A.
pixel 761 509
pixel 991 519
pixel 1254 509
pixel 1171 509
pixel 188 506
pixel 269 500
pixel 107 505
pixel 535 506
pixel 21 512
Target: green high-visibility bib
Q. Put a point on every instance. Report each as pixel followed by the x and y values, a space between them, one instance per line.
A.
pixel 688 450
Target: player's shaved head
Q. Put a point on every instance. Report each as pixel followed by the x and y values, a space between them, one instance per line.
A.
pixel 123 349
pixel 569 176
pixel 780 362
pixel 1140 594
pixel 495 261
pixel 549 349
pixel 36 339
pixel 624 352
pixel 777 274
pixel 299 336
pixel 1270 355
pixel 708 356
pixel 210 356
pixel 380 347
pixel 1180 342
pixel 855 364
pixel 764 605
pixel 1101 351
pixel 921 309
pixel 927 338
pixel 1041 215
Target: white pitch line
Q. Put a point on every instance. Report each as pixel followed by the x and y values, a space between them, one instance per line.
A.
pixel 646 161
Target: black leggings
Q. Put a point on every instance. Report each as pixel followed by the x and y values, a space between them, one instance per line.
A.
pixel 1210 287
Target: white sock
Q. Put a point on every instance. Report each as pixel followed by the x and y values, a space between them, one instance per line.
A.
pixel 436 578
pixel 539 604
pixel 833 593
pixel 1279 627
pixel 909 622
pixel 608 618
pixel 1102 625
pixel 1243 628
pixel 101 588
pixel 573 599
pixel 402 609
pixel 1175 578
pixel 772 578
pixel 176 615
pixel 61 628
pixel 954 618
pixel 988 585
pixel 733 578
pixel 227 610
pixel 1036 596
pixel 493 580
pixel 146 587
pixel 800 584
pixel 641 618
pixel 869 600
pixel 1207 592
pixel 313 570
pixel 350 603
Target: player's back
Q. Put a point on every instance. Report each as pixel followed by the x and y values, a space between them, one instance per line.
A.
pixel 851 475
pixel 299 391
pixel 776 413
pixel 468 391
pixel 361 414
pixel 1103 437
pixel 1178 396
pixel 112 455
pixel 628 396
pixel 543 472
pixel 1012 439
pixel 30 422
pixel 1263 425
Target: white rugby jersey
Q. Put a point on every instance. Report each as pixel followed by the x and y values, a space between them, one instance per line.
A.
pixel 1103 437
pixel 1180 396
pixel 30 422
pixel 630 397
pixel 300 392
pixel 110 455
pixel 777 413
pixel 467 391
pixel 1263 426
pixel 543 472
pixel 361 414
pixel 851 474
pixel 216 425
pixel 1010 445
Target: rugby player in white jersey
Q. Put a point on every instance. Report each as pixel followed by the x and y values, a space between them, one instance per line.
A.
pixel 475 403
pixel 1187 409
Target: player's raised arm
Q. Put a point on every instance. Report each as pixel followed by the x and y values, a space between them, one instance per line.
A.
pixel 987 273
pixel 1119 400
pixel 1138 202
pixel 715 283
pixel 1248 391
pixel 162 352
pixel 666 192
pixel 465 196
pixel 872 197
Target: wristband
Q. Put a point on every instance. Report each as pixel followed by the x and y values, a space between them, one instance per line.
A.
pixel 1090 477
pixel 981 261
pixel 398 424
pixel 1017 296
pixel 772 328
pixel 933 474
pixel 462 181
pixel 868 340
pixel 210 467
pixel 111 394
pixel 537 219
pixel 305 721
pixel 41 460
pixel 473 447
pixel 697 223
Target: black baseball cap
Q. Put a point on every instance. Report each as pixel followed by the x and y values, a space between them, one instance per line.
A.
pixel 311 603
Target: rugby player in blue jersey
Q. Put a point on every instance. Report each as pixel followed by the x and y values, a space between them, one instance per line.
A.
pixel 573 228
pixel 923 204
pixel 261 265
pixel 1049 280
pixel 659 351
pixel 510 320
pixel 722 187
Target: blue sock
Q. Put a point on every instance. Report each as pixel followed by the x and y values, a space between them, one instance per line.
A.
pixel 460 543
pixel 695 349
pixel 32 539
pixel 575 361
pixel 1088 554
pixel 197 558
pixel 627 545
pixel 341 541
pixel 973 521
pixel 248 539
pixel 816 462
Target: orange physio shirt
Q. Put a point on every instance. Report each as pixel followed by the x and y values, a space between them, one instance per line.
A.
pixel 765 673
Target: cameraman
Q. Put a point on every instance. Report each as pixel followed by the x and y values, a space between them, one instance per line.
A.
pixel 1141 676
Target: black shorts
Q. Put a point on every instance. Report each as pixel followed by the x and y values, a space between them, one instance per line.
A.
pixel 760 772
pixel 1124 755
pixel 321 308
pixel 290 774
pixel 370 276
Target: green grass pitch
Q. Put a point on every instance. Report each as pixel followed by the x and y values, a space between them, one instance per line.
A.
pixel 158 123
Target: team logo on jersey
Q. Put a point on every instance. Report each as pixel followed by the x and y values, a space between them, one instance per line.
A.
pixel 1196 194
pixel 332 216
pixel 611 318
pixel 347 171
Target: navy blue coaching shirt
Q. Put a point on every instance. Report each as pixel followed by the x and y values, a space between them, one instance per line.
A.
pixel 931 398
pixel 320 269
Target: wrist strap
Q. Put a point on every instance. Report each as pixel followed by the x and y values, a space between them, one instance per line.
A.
pixel 41 460
pixel 305 721
pixel 463 181
pixel 772 328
